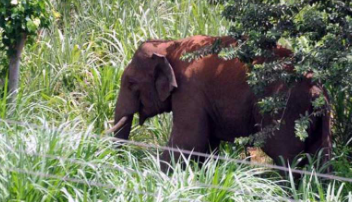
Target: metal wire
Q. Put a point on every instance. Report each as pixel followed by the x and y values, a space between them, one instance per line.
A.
pixel 131 171
pixel 75 180
pixel 238 161
pixel 195 153
pixel 246 193
pixel 107 186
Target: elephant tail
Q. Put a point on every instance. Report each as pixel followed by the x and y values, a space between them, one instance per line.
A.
pixel 326 128
pixel 326 135
pixel 320 132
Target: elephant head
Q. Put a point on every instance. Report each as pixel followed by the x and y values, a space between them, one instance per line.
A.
pixel 146 86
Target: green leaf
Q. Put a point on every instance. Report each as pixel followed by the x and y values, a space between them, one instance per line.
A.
pixel 31 26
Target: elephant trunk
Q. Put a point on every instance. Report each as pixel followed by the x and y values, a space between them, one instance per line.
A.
pixel 122 127
pixel 127 105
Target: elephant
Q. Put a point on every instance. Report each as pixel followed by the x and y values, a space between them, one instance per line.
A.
pixel 211 100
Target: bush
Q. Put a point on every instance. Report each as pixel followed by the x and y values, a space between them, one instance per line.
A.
pixel 319 33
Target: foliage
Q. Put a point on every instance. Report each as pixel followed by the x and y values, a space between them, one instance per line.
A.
pixel 319 33
pixel 341 164
pixel 70 79
pixel 214 48
pixel 19 17
pixel 301 127
pixel 258 139
pixel 273 104
pixel 82 156
pixel 3 59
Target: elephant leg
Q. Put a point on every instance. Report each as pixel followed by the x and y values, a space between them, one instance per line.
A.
pixel 319 141
pixel 283 141
pixel 190 132
pixel 284 144
pixel 284 152
pixel 212 148
pixel 214 144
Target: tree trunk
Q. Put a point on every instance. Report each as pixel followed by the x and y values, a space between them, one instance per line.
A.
pixel 14 69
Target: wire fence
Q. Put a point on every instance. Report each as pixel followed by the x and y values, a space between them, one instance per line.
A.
pixel 135 191
pixel 199 154
pixel 76 180
pixel 108 186
pixel 228 159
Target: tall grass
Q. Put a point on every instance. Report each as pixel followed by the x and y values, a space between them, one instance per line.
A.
pixel 76 65
pixel 70 80
pixel 97 160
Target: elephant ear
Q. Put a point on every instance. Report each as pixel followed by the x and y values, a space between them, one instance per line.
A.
pixel 165 77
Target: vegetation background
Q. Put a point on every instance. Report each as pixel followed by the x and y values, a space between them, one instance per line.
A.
pixel 69 83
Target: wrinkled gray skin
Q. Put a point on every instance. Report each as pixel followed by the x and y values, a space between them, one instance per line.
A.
pixel 211 100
